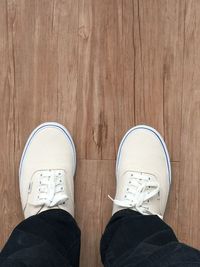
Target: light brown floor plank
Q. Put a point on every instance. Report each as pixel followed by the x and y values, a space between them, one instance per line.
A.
pixel 173 74
pixel 148 42
pixel 95 179
pixel 10 210
pixel 189 197
pixel 105 81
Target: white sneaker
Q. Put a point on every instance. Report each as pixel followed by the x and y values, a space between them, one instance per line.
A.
pixel 47 168
pixel 143 172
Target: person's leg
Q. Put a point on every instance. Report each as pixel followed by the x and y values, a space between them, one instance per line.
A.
pixel 49 236
pixel 136 234
pixel 133 239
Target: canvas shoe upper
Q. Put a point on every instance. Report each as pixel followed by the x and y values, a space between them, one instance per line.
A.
pixel 143 172
pixel 47 167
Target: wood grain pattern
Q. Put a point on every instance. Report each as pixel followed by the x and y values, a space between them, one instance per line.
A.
pixel 100 67
pixel 148 42
pixel 95 179
pixel 173 57
pixel 105 80
pixel 189 198
pixel 10 208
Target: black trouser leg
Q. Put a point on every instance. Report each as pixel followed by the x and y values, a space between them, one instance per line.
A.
pixel 51 238
pixel 131 239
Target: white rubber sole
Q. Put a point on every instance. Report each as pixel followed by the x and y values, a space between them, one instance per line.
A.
pixel 37 130
pixel 157 134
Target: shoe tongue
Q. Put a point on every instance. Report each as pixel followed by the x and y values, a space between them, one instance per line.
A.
pixel 47 188
pixel 130 175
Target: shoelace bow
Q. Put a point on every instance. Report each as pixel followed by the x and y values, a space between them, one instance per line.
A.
pixel 138 192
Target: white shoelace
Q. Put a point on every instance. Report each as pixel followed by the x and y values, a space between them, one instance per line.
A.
pixel 51 188
pixel 140 189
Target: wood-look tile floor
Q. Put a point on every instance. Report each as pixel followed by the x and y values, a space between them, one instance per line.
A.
pixel 99 67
